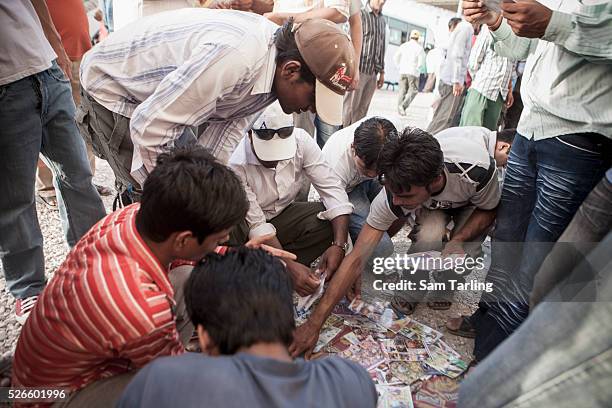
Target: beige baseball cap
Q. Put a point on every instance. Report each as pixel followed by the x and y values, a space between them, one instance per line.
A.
pixel 329 54
pixel 415 34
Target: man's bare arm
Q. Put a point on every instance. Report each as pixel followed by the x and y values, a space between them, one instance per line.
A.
pixel 306 335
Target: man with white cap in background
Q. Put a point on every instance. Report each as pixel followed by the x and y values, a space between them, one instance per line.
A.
pixel 272 160
pixel 409 58
pixel 202 76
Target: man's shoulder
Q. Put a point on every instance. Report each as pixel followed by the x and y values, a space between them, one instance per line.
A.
pixel 344 376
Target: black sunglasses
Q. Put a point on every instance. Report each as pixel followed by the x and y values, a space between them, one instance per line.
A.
pixel 268 134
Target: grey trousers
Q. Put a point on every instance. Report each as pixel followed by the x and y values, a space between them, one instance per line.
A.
pixel 447 109
pixel 357 102
pixel 105 393
pixel 109 135
pixel 409 89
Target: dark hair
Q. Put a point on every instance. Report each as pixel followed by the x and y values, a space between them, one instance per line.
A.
pixel 189 190
pixel 287 50
pixel 370 137
pixel 453 22
pixel 413 159
pixel 506 135
pixel 242 298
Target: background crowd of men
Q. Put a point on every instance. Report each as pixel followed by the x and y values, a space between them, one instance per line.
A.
pixel 214 122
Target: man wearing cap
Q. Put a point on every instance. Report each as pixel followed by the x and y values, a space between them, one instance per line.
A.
pixel 272 161
pixel 409 58
pixel 202 76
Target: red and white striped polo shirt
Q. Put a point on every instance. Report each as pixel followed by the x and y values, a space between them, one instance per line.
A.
pixel 108 309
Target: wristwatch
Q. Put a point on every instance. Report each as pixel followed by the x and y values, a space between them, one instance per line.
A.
pixel 344 246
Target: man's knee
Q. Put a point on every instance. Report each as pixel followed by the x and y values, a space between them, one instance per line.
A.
pixel 430 226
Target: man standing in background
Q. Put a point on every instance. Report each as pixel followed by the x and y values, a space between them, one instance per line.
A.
pixel 452 75
pixel 71 23
pixel 491 85
pixel 409 58
pixel 371 64
pixel 37 116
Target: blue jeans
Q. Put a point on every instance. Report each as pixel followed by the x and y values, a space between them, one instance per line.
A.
pixel 361 197
pixel 545 183
pixel 560 357
pixel 324 131
pixel 37 116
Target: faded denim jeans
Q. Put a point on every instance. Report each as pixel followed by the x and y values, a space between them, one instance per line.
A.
pixel 37 115
pixel 324 131
pixel 560 357
pixel 546 181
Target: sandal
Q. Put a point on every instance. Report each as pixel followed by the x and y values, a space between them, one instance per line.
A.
pixel 403 306
pixel 439 304
pixel 465 329
pixel 102 190
pixel 48 200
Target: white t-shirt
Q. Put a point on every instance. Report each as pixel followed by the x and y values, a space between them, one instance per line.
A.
pixel 338 153
pixel 24 49
pixel 471 179
pixel 409 58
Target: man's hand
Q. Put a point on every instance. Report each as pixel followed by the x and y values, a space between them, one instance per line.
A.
pixel 381 80
pixel 63 61
pixel 331 260
pixel 304 339
pixel 457 89
pixel 477 12
pixel 98 15
pixel 509 100
pixel 304 282
pixel 242 5
pixel 453 248
pixel 277 18
pixel 528 18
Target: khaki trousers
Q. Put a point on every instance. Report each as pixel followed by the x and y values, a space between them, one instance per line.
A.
pixel 357 102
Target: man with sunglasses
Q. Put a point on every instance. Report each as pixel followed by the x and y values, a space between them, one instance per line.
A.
pixel 437 179
pixel 272 162
pixel 202 76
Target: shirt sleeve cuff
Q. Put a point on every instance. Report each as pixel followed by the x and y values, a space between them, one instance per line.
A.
pixel 503 31
pixel 330 214
pixel 262 229
pixel 559 28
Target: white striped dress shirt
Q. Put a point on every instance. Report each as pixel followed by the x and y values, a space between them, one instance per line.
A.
pixel 567 83
pixel 177 70
pixel 490 72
